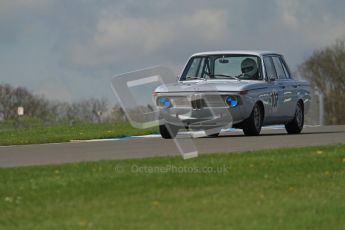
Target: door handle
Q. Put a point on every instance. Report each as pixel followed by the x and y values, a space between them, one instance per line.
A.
pixel 295 86
pixel 282 86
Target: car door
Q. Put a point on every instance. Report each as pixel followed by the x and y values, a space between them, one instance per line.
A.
pixel 288 88
pixel 275 91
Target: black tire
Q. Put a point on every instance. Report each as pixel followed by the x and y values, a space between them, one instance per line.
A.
pixel 296 125
pixel 252 126
pixel 164 131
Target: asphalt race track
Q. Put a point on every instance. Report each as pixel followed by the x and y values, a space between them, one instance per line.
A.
pixel 42 154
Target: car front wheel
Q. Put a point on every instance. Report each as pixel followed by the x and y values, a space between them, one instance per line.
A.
pixel 252 126
pixel 168 131
pixel 296 125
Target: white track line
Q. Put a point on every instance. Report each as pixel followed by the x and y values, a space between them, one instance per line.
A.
pixel 194 134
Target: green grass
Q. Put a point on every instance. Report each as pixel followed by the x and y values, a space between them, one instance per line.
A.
pixel 37 133
pixel 301 188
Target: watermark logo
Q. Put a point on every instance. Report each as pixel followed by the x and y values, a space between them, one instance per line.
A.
pixel 170 168
pixel 141 94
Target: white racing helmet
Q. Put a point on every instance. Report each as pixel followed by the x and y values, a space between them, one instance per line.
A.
pixel 249 67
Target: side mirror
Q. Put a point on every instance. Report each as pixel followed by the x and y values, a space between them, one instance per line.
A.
pixel 177 77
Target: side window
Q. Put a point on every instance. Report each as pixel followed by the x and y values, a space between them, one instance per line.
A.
pixel 287 73
pixel 200 68
pixel 279 68
pixel 270 71
pixel 193 67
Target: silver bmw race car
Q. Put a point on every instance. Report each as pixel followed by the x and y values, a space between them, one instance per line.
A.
pixel 240 89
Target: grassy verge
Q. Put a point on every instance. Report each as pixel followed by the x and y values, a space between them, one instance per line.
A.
pixel 37 134
pixel 300 188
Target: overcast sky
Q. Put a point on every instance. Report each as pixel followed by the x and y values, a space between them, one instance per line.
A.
pixel 70 49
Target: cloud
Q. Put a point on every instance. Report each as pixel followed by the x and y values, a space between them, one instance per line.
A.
pixel 315 23
pixel 82 43
pixel 16 16
pixel 9 5
pixel 119 38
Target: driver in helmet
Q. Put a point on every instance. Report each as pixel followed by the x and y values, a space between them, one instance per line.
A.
pixel 249 69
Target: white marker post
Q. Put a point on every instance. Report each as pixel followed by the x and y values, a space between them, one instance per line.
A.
pixel 20 111
pixel 320 95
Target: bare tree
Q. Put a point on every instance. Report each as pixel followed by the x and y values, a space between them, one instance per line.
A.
pixel 118 114
pixel 90 110
pixel 35 106
pixel 11 98
pixel 326 70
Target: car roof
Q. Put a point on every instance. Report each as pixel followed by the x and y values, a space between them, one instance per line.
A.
pixel 245 52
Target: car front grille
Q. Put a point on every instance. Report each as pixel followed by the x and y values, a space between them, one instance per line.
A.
pixel 180 101
pixel 198 101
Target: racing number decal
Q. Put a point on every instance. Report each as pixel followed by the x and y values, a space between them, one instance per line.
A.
pixel 274 100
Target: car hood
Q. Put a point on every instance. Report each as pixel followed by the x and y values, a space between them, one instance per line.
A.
pixel 210 85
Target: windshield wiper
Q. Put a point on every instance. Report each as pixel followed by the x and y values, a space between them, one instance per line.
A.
pixel 225 76
pixel 240 75
pixel 212 76
pixel 193 78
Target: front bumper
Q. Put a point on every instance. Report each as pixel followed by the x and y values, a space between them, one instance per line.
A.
pixel 202 118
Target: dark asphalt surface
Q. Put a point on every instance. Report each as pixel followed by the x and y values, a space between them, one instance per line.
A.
pixel 43 154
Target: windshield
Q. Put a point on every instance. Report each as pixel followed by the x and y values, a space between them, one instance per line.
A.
pixel 236 67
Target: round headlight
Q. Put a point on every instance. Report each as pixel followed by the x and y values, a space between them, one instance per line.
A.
pixel 165 102
pixel 231 101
